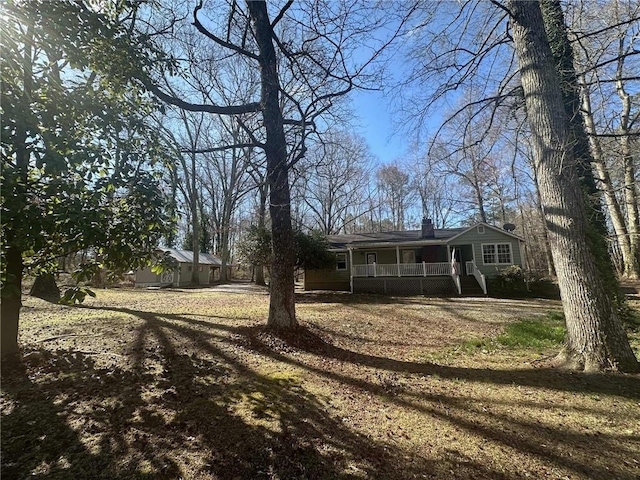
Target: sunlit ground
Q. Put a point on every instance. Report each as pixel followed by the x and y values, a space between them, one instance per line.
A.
pixel 188 384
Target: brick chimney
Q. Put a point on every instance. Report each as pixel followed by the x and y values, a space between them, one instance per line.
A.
pixel 427 228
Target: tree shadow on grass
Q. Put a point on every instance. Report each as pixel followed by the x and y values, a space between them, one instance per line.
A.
pixel 178 413
pixel 557 446
pixel 348 298
pixel 189 407
pixel 312 340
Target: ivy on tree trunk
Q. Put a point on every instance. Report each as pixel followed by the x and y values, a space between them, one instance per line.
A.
pixel 597 230
pixel 595 336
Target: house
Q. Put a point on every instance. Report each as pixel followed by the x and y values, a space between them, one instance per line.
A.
pixel 180 276
pixel 427 261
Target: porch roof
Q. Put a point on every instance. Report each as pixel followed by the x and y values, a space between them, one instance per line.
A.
pixel 390 239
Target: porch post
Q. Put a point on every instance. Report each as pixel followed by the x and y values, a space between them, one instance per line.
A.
pixel 398 258
pixel 351 269
pixel 424 269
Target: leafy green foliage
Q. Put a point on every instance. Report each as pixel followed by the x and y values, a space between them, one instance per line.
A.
pixel 311 249
pixel 254 248
pixel 164 263
pixel 75 295
pixel 81 162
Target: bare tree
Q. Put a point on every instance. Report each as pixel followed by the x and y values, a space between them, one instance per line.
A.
pixel 227 182
pixel 395 186
pixel 470 44
pixel 438 196
pixel 335 183
pixel 305 62
pixel 193 127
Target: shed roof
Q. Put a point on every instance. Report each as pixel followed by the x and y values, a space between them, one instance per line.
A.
pixel 186 256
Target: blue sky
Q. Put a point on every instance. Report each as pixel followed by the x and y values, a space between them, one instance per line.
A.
pixel 375 122
pixel 376 126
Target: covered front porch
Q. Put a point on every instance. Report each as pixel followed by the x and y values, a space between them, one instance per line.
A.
pixel 420 270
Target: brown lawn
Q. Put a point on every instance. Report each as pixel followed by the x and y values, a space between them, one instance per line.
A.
pixel 188 384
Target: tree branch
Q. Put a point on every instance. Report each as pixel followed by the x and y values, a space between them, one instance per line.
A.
pixel 219 149
pixel 217 39
pixel 281 13
pixel 199 107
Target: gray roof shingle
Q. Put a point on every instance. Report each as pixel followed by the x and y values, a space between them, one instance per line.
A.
pixel 186 256
pixel 407 236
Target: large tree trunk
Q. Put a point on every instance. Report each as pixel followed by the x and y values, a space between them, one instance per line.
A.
pixel 195 218
pixel 631 201
pixel 595 336
pixel 282 311
pixel 551 269
pixel 11 301
pixel 11 293
pixel 227 213
pixel 224 254
pixel 195 232
pixel 562 50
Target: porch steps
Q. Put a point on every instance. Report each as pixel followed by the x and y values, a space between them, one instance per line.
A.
pixel 470 287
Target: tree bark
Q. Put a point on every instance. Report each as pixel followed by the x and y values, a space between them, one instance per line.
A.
pixel 195 230
pixel 282 312
pixel 631 201
pixel 11 301
pixel 598 231
pixel 595 336
pixel 551 269
pixel 11 294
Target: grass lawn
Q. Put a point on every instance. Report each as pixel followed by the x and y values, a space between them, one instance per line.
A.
pixel 188 384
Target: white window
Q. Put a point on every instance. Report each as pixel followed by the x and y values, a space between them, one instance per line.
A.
pixel 497 254
pixel 408 256
pixel 480 229
pixel 341 261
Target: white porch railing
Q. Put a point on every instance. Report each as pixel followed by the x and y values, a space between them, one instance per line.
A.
pixel 472 269
pixel 401 270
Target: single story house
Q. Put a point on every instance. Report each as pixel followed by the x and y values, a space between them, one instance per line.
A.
pixel 427 261
pixel 208 268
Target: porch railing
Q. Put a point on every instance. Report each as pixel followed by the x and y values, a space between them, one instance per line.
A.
pixel 401 270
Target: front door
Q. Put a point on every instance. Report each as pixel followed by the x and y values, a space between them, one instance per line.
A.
pixel 371 258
